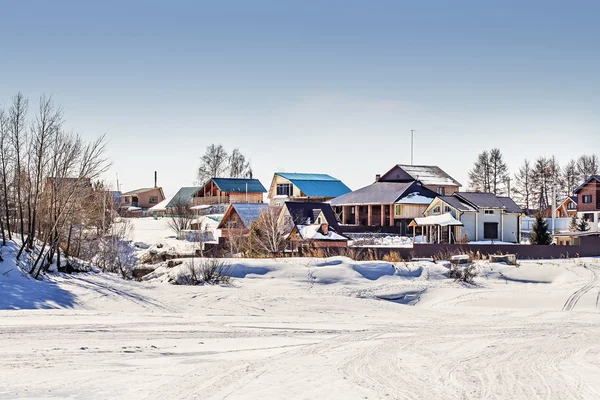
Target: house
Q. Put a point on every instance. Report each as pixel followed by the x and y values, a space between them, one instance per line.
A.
pixel 482 217
pixel 304 187
pixel 239 217
pixel 430 176
pixel 588 201
pixel 142 198
pixel 225 191
pixel 310 224
pixel 384 204
pixel 566 209
pixel 577 238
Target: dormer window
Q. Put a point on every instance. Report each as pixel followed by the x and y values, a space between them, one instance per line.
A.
pixel 436 210
pixel 572 206
pixel 447 209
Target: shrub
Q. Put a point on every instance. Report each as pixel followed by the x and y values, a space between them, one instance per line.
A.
pixel 463 274
pixel 208 271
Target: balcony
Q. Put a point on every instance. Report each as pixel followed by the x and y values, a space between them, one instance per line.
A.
pixel 210 200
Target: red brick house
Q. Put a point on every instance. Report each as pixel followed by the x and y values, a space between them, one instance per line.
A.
pixel 588 201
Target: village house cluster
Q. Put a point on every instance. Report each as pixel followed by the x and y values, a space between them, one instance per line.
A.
pixel 417 201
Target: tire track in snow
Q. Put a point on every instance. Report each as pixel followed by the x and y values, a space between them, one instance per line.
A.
pixel 578 294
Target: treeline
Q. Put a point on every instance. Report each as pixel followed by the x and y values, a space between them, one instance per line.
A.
pixel 49 190
pixel 535 181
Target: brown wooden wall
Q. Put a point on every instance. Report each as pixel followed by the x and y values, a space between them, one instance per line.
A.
pixel 593 189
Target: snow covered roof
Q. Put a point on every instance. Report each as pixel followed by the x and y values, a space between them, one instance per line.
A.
pixel 415 198
pixel 386 193
pixel 437 220
pixel 162 205
pixel 429 175
pixel 314 232
pixel 316 185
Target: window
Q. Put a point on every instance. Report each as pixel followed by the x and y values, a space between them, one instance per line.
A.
pixel 285 189
pixel 589 217
pixel 489 212
pixel 153 200
pixel 447 209
pixel 587 198
pixel 440 190
pixel 490 230
pixel 436 210
pixel 398 210
pixel 318 220
pixel 572 206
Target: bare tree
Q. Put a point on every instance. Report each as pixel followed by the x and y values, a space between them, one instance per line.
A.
pixel 498 172
pixel 179 217
pixel 524 189
pixel 4 176
pixel 587 166
pixel 213 163
pixel 569 178
pixel 17 115
pixel 266 235
pixel 479 176
pixel 239 167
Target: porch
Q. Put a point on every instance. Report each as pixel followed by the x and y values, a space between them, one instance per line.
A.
pixel 438 228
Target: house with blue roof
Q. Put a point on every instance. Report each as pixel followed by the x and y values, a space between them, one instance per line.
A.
pixel 288 186
pixel 219 192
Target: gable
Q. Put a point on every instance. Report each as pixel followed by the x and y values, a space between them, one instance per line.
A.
pixel 396 174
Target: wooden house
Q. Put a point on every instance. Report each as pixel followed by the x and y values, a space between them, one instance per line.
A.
pixel 239 217
pixel 227 191
pixel 566 209
pixel 304 187
pixel 388 206
pixel 310 225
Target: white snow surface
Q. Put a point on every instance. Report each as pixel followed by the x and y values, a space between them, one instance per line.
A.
pixel 312 232
pixel 415 198
pixel 305 329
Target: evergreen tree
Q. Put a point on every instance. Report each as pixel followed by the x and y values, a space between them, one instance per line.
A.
pixel 539 232
pixel 583 225
pixel 479 176
pixel 498 172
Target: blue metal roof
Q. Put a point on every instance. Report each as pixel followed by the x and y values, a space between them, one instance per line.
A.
pixel 316 185
pixel 321 188
pixel 249 212
pixel 306 177
pixel 239 185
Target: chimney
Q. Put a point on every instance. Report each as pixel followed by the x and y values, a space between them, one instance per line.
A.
pixel 155 178
pixel 377 177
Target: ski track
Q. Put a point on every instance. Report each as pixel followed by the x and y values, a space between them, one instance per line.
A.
pixel 577 295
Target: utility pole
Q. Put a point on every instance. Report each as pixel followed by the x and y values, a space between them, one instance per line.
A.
pixel 553 203
pixel 412 141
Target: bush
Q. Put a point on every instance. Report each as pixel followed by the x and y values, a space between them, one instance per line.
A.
pixel 208 271
pixel 463 274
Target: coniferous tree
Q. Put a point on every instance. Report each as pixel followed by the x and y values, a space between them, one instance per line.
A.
pixel 583 225
pixel 539 232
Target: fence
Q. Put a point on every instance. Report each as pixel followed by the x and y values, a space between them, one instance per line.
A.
pixel 560 224
pixel 591 248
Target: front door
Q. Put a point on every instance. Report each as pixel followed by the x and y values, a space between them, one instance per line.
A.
pixel 490 230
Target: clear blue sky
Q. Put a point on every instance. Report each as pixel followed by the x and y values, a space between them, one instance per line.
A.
pixel 311 86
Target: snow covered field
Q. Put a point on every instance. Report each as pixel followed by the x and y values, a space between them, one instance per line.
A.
pixel 307 328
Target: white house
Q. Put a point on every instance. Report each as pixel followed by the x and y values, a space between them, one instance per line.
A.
pixel 483 216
